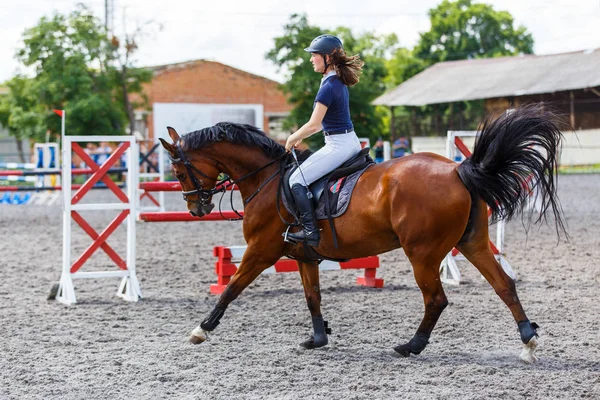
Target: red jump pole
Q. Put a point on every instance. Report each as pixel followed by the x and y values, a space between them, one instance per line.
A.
pixel 44 188
pixel 160 186
pixel 175 216
pixel 77 171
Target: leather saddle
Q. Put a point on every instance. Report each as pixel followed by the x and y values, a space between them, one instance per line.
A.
pixel 317 188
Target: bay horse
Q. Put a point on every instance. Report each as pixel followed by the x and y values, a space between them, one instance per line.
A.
pixel 423 203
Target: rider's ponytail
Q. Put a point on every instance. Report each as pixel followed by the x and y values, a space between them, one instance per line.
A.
pixel 348 68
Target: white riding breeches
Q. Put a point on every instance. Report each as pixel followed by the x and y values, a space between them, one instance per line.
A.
pixel 337 150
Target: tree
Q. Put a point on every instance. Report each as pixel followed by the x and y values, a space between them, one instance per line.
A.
pixel 288 53
pixel 459 30
pixel 71 56
pixel 368 120
pixel 20 112
pixel 402 65
pixel 74 64
pixel 128 78
pixel 302 82
pixel 462 30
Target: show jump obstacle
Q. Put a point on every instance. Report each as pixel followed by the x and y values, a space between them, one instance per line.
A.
pixel 43 173
pixel 129 288
pixel 229 257
pixel 457 150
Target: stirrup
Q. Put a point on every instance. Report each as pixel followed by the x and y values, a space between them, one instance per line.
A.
pixel 286 238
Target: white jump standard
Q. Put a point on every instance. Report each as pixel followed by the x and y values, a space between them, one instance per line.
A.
pixel 457 150
pixel 129 288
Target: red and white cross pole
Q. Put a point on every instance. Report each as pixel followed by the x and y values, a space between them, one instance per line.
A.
pixel 129 288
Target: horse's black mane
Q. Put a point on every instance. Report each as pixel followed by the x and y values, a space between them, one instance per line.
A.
pixel 234 133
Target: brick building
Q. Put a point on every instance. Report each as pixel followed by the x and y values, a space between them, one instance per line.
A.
pixel 195 94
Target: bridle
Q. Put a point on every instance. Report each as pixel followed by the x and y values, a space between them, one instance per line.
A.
pixel 221 186
pixel 203 194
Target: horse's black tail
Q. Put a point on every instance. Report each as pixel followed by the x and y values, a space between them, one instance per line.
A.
pixel 514 157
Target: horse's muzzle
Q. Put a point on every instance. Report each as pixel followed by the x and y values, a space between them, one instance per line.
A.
pixel 201 211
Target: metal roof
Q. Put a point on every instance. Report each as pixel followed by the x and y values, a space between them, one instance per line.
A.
pixel 451 81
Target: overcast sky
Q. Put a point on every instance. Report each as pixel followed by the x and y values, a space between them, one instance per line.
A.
pixel 240 32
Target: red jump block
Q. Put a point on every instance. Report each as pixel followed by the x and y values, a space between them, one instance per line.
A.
pixel 228 257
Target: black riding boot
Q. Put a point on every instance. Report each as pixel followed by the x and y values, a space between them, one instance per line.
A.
pixel 308 219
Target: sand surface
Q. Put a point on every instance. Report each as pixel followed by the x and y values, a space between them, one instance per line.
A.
pixel 105 348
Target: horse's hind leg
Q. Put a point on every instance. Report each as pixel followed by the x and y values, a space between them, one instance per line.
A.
pixel 309 272
pixel 426 271
pixel 478 252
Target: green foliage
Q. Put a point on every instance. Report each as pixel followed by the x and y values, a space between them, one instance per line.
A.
pixel 20 111
pixel 302 83
pixel 462 30
pixel 459 30
pixel 97 113
pixel 74 64
pixel 368 119
pixel 132 82
pixel 401 66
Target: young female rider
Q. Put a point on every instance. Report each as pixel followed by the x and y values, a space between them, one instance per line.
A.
pixel 331 113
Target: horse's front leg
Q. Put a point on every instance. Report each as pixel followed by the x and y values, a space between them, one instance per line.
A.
pixel 253 263
pixel 309 272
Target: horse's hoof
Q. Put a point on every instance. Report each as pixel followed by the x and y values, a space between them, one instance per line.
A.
pixel 198 336
pixel 403 350
pixel 313 343
pixel 528 354
pixel 53 291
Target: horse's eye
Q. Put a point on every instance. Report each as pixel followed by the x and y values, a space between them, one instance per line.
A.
pixel 180 177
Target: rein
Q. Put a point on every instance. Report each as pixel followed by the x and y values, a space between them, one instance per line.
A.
pixel 294 223
pixel 220 186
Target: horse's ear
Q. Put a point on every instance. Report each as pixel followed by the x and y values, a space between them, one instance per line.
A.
pixel 168 146
pixel 173 133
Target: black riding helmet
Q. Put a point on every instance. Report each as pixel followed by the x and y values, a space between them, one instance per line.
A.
pixel 324 45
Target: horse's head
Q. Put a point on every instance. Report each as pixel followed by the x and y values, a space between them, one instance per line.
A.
pixel 197 175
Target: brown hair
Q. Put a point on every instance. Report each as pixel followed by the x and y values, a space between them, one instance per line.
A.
pixel 348 68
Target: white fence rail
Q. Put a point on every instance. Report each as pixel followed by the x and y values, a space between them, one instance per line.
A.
pixel 580 147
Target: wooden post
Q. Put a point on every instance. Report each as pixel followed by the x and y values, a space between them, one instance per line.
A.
pixel 437 119
pixel 392 124
pixel 572 113
pixel 415 131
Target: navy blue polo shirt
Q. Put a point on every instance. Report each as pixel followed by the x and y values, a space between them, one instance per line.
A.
pixel 334 94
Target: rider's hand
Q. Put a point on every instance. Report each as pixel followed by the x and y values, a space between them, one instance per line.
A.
pixel 292 143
